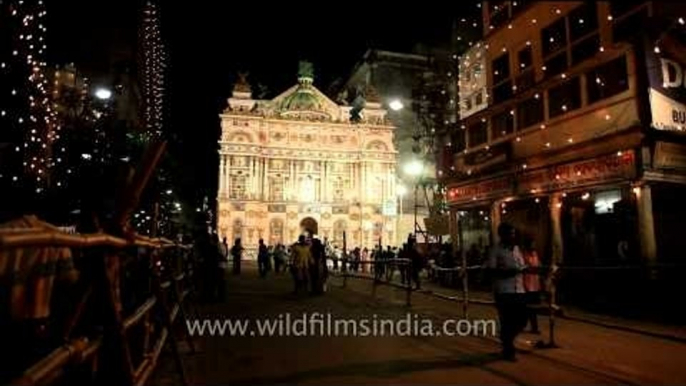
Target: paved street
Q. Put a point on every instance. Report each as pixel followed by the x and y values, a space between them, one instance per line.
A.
pixel 587 355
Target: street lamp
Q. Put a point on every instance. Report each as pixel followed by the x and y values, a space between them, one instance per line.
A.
pixel 103 94
pixel 415 169
pixel 401 191
pixel 396 105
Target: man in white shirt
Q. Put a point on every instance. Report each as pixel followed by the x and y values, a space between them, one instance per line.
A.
pixel 506 264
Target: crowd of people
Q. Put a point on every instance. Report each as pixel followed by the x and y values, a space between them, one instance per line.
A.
pixel 309 261
pixel 512 266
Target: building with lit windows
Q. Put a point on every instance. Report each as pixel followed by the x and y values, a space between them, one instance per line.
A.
pixel 472 81
pixel 296 164
pixel 582 143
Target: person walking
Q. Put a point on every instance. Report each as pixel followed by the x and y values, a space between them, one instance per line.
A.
pixel 236 255
pixel 279 258
pixel 318 268
pixel 505 266
pixel 221 269
pixel 262 259
pixel 416 262
pixel 364 260
pixel 532 282
pixel 379 263
pixel 301 258
pixel 356 258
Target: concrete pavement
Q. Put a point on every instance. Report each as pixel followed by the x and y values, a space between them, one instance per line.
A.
pixel 588 354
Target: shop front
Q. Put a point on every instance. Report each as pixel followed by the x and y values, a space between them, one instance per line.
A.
pixel 582 212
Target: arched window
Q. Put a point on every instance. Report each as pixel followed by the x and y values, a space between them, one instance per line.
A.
pixel 238 184
pixel 276 231
pixel 307 189
pixel 237 229
pixel 276 189
pixel 339 227
pixel 377 146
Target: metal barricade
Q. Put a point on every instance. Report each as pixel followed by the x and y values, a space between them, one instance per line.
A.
pixel 133 292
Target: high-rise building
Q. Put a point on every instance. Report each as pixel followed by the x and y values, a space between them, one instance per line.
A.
pixel 297 164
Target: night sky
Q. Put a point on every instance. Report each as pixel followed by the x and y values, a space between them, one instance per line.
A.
pixel 209 41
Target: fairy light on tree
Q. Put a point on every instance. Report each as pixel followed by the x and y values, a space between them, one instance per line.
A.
pixel 153 69
pixel 28 119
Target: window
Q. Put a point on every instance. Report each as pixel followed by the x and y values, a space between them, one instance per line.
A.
pixel 477 71
pixel 479 100
pixel 467 104
pixel 276 231
pixel 502 124
pixel 307 189
pixel 237 228
pixel 585 49
pixel 375 189
pixel 630 26
pixel 276 189
pixel 570 40
pixel 621 8
pixel 478 133
pixel 564 98
pixel 526 77
pixel 554 37
pixel 530 112
pixel 499 13
pixel 502 86
pixel 556 65
pixel 339 228
pixel 501 68
pixel 502 92
pixel 239 161
pixel 338 189
pixel 459 140
pixel 238 187
pixel 583 21
pixel 525 59
pixel 607 80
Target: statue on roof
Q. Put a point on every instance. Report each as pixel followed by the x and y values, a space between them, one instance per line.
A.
pixel 305 69
pixel 371 95
pixel 242 84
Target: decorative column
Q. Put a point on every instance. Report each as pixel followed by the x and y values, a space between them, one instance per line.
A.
pixel 646 223
pixel 555 205
pixel 391 180
pixel 325 182
pixel 265 173
pixel 363 182
pixel 353 182
pixel 292 180
pixel 227 175
pixel 222 175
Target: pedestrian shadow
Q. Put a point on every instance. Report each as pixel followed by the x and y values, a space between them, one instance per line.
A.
pixel 385 369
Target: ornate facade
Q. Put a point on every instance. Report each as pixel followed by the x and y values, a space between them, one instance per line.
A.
pixel 295 163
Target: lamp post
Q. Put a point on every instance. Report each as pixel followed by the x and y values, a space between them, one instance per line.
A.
pixel 401 190
pixel 415 169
